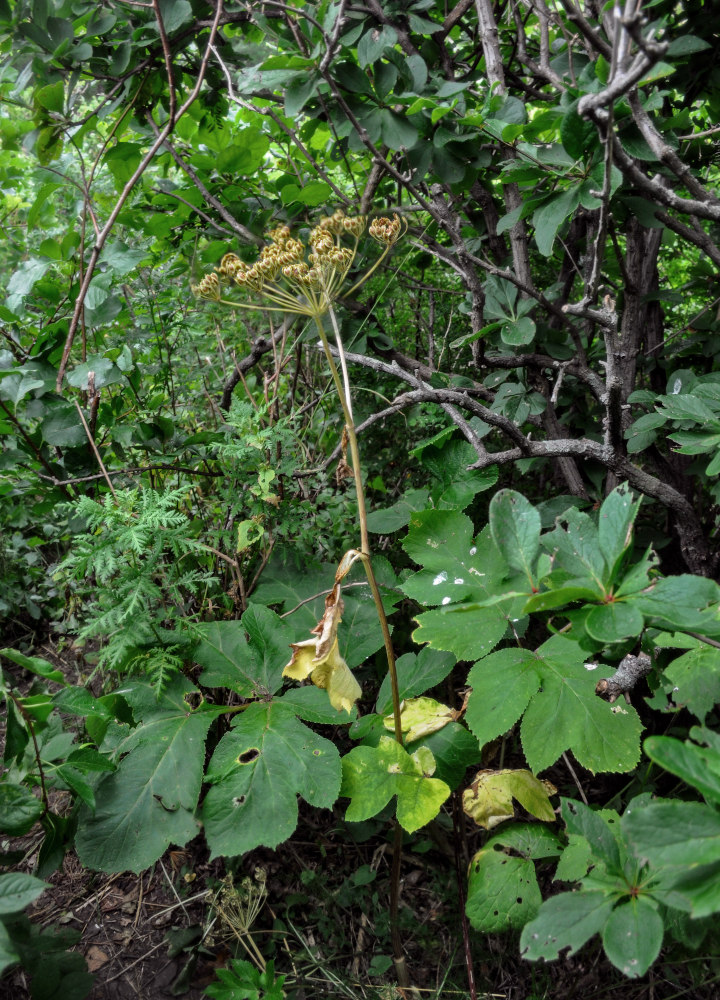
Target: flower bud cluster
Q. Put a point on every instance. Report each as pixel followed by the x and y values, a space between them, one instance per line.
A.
pixel 209 288
pixel 385 231
pixel 286 267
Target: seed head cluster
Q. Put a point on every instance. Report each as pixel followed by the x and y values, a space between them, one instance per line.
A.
pixel 295 277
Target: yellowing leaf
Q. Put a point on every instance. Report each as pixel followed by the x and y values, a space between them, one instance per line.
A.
pixel 319 658
pixel 372 775
pixel 420 717
pixel 330 672
pixel 489 799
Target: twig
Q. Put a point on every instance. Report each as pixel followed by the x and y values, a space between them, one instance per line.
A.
pixel 575 778
pixel 100 462
pixel 136 962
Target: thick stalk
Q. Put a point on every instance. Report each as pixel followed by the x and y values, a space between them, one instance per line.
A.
pixel 343 390
pixel 343 395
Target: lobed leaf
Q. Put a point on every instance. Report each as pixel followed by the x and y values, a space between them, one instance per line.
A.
pixel 258 770
pixel 373 775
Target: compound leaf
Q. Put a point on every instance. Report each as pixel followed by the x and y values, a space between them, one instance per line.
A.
pixel 555 691
pixel 503 684
pixel 458 574
pixel 567 714
pixel 696 680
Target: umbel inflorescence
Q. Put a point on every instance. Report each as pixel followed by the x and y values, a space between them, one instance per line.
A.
pixel 289 276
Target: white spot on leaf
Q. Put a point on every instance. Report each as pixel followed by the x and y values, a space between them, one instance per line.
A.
pixel 440 578
pixel 446 600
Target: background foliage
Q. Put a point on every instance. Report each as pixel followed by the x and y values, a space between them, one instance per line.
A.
pixel 536 390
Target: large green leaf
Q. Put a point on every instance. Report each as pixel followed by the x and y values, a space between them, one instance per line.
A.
pixel 19 809
pixel 698 766
pixel 246 666
pixel 34 664
pixel 454 750
pixel 503 890
pixel 682 834
pixel 684 602
pixel 257 772
pixel 578 135
pixel 696 679
pixel 503 684
pixel 455 567
pixel 458 574
pixel 577 548
pixel 615 521
pixel 614 621
pixel 556 692
pixel 457 483
pixel 8 950
pixel 374 43
pixel 416 674
pixel 596 828
pixel 372 775
pixel 389 519
pixel 359 634
pixel 149 801
pixel 313 705
pixel 550 216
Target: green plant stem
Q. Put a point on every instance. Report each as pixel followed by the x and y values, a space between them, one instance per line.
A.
pixel 362 518
pixel 27 718
pixel 343 390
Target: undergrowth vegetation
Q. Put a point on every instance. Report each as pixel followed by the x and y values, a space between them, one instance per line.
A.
pixel 360 410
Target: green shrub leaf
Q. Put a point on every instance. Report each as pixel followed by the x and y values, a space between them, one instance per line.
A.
pixel 148 802
pixel 633 935
pixel 257 771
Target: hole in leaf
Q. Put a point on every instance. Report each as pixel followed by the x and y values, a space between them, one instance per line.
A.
pixel 519 900
pixel 239 800
pixel 249 756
